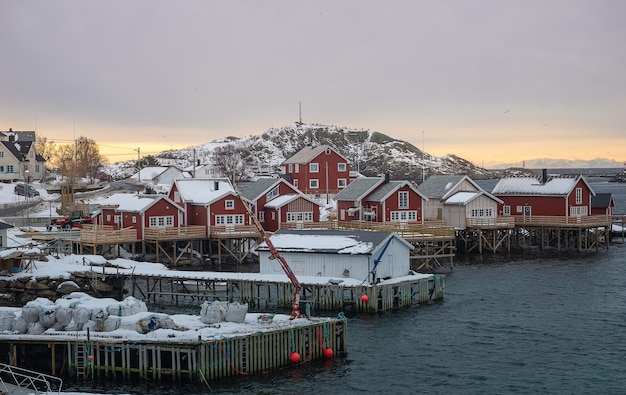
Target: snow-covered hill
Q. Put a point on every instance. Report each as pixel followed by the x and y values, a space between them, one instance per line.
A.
pixel 369 152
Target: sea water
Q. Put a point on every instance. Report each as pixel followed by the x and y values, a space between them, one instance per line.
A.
pixel 538 323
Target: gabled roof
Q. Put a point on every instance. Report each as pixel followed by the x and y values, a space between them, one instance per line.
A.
pixel 602 200
pixel 13 150
pixel 286 199
pixel 308 153
pixel 330 241
pixel 385 190
pixel 152 172
pixel 443 185
pixel 4 225
pixel 464 198
pixel 554 186
pixel 203 190
pixel 255 189
pixel 359 188
pixel 130 202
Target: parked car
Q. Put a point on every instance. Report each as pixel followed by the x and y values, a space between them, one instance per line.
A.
pixel 21 189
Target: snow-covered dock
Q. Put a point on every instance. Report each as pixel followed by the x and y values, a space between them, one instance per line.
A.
pixel 81 336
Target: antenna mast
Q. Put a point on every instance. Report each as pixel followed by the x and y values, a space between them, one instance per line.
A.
pixel 300 112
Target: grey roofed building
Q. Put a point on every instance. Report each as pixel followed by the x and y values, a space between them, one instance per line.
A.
pixel 359 188
pixel 259 187
pixel 439 186
pixel 307 154
pixel 601 200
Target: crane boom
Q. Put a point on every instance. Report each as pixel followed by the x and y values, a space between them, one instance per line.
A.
pixel 295 303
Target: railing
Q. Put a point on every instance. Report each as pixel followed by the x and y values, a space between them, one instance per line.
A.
pixel 175 233
pixel 591 220
pixel 322 225
pixel 404 229
pixel 234 230
pixel 31 381
pixel 498 222
pixel 107 234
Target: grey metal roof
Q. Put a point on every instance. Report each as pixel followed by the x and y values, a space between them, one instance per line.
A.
pixel 358 188
pixel 4 225
pixel 256 188
pixel 306 154
pixel 308 239
pixel 601 200
pixel 384 190
pixel 438 186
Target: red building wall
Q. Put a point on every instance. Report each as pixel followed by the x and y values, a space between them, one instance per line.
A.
pixel 392 204
pixel 218 207
pixel 328 174
pixel 539 205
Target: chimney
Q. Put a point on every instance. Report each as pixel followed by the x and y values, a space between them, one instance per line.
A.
pixel 544 176
pixel 216 185
pixel 386 178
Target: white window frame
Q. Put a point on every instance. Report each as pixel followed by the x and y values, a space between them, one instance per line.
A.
pixel 134 219
pixel 403 199
pixel 314 181
pixel 229 219
pixel 506 210
pixel 342 166
pixel 163 221
pixel 229 204
pixel 403 216
pixel 295 182
pixel 578 211
pixel 271 194
pixel 261 216
pixel 314 167
pixel 341 183
pixel 299 216
pixel 117 220
pixel 579 195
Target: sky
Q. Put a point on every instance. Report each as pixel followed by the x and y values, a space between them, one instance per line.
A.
pixel 492 81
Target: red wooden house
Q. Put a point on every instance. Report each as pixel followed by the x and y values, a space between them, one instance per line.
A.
pixel 275 201
pixel 378 199
pixel 602 204
pixel 126 210
pixel 212 203
pixel 561 196
pixel 319 170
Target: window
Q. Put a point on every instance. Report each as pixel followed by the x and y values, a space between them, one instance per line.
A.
pixel 341 167
pixel 161 222
pixel 1 169
pixel 313 183
pixel 506 210
pixel 271 194
pixel 9 168
pixel 177 196
pixel 306 216
pixel 578 211
pixel 519 209
pixel 134 219
pixel 230 219
pixel 404 216
pixel 314 167
pixel 108 217
pixel 297 168
pixel 117 219
pixel 262 216
pixel 1 154
pixel 290 168
pixel 341 183
pixel 579 195
pixel 295 182
pixel 403 199
pixel 229 204
pixel 37 170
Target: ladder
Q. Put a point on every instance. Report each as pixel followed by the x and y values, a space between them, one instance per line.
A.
pixel 81 364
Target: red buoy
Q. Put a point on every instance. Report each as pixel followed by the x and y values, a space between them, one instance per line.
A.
pixel 294 357
pixel 90 358
pixel 328 352
pixel 364 298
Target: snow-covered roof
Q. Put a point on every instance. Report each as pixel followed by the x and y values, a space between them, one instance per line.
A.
pixel 308 153
pixel 441 185
pixel 203 190
pixel 463 198
pixel 280 201
pixel 385 190
pixel 558 186
pixel 125 201
pixel 329 241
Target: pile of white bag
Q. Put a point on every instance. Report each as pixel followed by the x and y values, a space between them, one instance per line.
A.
pixel 77 312
pixel 216 311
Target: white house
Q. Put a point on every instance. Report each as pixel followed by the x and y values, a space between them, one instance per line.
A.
pixel 367 256
pixel 158 175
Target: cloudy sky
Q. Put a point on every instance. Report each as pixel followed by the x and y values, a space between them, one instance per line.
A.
pixel 489 80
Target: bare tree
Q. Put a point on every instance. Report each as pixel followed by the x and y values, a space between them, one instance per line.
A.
pixel 233 161
pixel 47 149
pixel 79 159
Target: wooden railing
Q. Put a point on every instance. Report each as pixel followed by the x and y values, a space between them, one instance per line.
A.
pixel 175 233
pixel 584 221
pixel 322 225
pixel 106 234
pixel 498 222
pixel 234 230
pixel 404 229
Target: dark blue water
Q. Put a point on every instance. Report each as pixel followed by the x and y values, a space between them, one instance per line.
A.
pixel 544 324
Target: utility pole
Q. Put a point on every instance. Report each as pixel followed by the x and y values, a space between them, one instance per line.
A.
pixel 138 165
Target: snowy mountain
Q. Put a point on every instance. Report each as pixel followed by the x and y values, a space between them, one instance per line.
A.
pixel 369 152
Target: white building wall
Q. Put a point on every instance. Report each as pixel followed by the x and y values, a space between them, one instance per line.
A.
pixel 394 260
pixel 318 265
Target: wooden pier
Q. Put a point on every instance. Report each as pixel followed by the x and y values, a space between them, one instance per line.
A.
pixel 97 355
pixel 263 294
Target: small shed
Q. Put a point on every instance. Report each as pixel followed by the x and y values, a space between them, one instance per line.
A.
pixel 367 256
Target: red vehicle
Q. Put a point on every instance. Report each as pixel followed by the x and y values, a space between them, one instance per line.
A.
pixel 76 219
